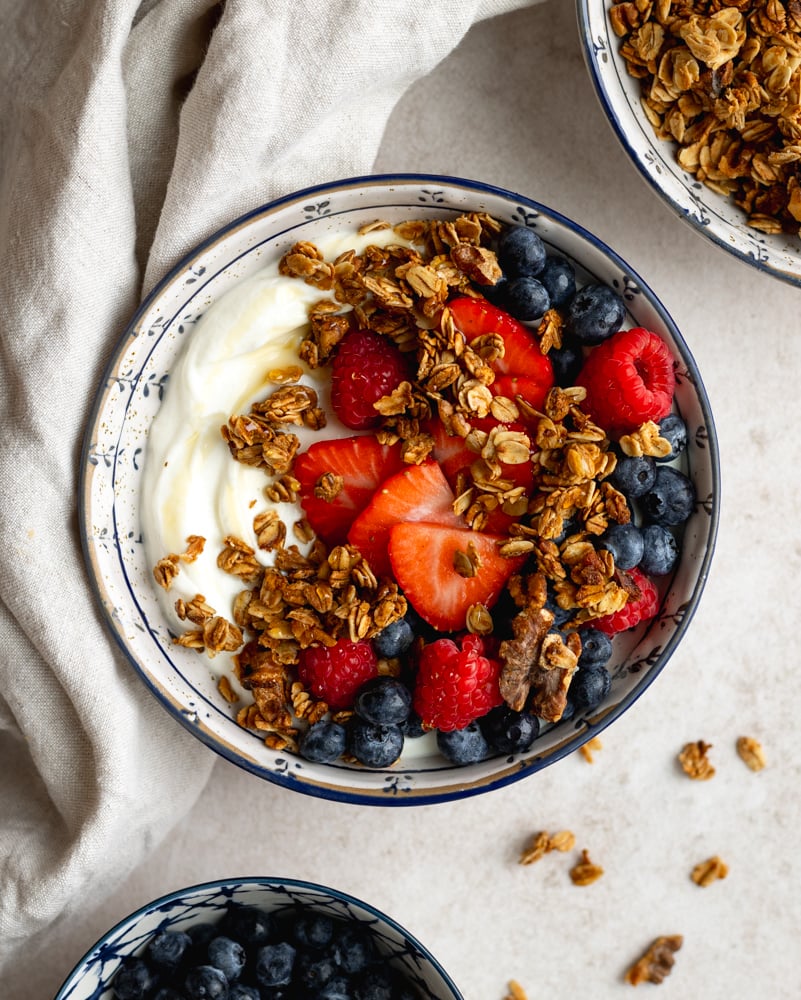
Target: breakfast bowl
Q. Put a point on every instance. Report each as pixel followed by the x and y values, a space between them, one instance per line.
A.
pixel 328 936
pixel 676 94
pixel 175 530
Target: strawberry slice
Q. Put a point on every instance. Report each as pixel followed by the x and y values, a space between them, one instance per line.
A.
pixel 362 463
pixel 522 357
pixel 453 456
pixel 423 560
pixel 417 493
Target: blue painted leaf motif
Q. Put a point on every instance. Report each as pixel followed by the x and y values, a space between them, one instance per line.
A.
pixel 437 197
pixel 525 217
pixel 156 328
pixel 684 375
pixel 701 437
pixel 392 784
pixel 96 455
pixel 195 272
pixel 648 660
pixel 152 382
pixel 316 211
pixel 655 161
pixel 707 505
pixel 599 49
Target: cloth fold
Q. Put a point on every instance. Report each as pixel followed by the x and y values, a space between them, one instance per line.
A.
pixel 129 132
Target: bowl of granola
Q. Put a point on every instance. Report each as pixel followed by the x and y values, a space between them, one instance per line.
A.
pixel 254 937
pixel 705 99
pixel 399 489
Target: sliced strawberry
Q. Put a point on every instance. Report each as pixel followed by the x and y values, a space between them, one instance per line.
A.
pixel 362 463
pixel 417 493
pixel 422 558
pixel 522 356
pixel 453 455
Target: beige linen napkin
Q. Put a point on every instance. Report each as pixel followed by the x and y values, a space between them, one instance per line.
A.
pixel 128 132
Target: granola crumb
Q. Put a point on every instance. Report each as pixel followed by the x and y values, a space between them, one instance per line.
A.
pixel 226 690
pixel 585 871
pixel 589 748
pixel 709 871
pixel 694 761
pixel 657 962
pixel 542 843
pixel 751 753
pixel 515 991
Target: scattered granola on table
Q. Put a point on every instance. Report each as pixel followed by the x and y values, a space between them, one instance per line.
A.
pixel 723 82
pixel 694 761
pixel 543 843
pixel 515 991
pixel 709 871
pixel 590 748
pixel 657 962
pixel 751 753
pixel 585 871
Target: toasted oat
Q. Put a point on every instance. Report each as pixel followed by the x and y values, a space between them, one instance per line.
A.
pixel 515 991
pixel 646 440
pixel 226 689
pixel 657 962
pixel 588 749
pixel 584 871
pixel 694 761
pixel 751 752
pixel 709 871
pixel 543 843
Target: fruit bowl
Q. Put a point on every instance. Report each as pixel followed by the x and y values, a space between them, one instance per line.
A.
pixel 712 212
pixel 125 438
pixel 254 912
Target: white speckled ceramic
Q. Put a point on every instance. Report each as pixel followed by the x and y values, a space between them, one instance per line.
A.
pixel 91 979
pixel 130 395
pixel 713 215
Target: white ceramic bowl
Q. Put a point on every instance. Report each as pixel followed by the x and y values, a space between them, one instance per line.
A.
pixel 130 396
pixel 92 977
pixel 712 215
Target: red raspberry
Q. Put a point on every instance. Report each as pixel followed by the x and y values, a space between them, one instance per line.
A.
pixel 366 367
pixel 335 673
pixel 635 610
pixel 455 685
pixel 629 379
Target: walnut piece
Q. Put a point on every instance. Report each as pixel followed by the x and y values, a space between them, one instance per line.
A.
pixel 694 761
pixel 657 962
pixel 709 871
pixel 751 752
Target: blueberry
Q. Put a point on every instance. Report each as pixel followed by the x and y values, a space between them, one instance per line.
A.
pixel 595 313
pixel 374 984
pixel 588 688
pixel 228 956
pixel 166 949
pixel 374 745
pixel 168 993
pixel 566 361
pixel 314 969
pixel 313 930
pixel 673 429
pixel 384 701
pixel 204 982
pixel 246 924
pixel 634 475
pixel 337 988
pixel 394 640
pixel 559 278
pixel 241 992
pixel 323 742
pixel 520 251
pixel 660 550
pixel 201 934
pixel 596 649
pixel 508 731
pixel 354 948
pixel 624 543
pixel 526 299
pixel 412 727
pixel 463 746
pixel 671 498
pixel 133 980
pixel 274 964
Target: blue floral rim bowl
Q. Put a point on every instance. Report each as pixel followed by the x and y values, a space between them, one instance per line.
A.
pixel 132 392
pixel 711 214
pixel 92 977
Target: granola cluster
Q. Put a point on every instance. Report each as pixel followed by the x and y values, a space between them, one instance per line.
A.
pixel 722 79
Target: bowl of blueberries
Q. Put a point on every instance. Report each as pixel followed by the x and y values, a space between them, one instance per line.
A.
pixel 250 938
pixel 470 478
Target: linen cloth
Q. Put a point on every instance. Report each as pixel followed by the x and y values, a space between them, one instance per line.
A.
pixel 129 132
